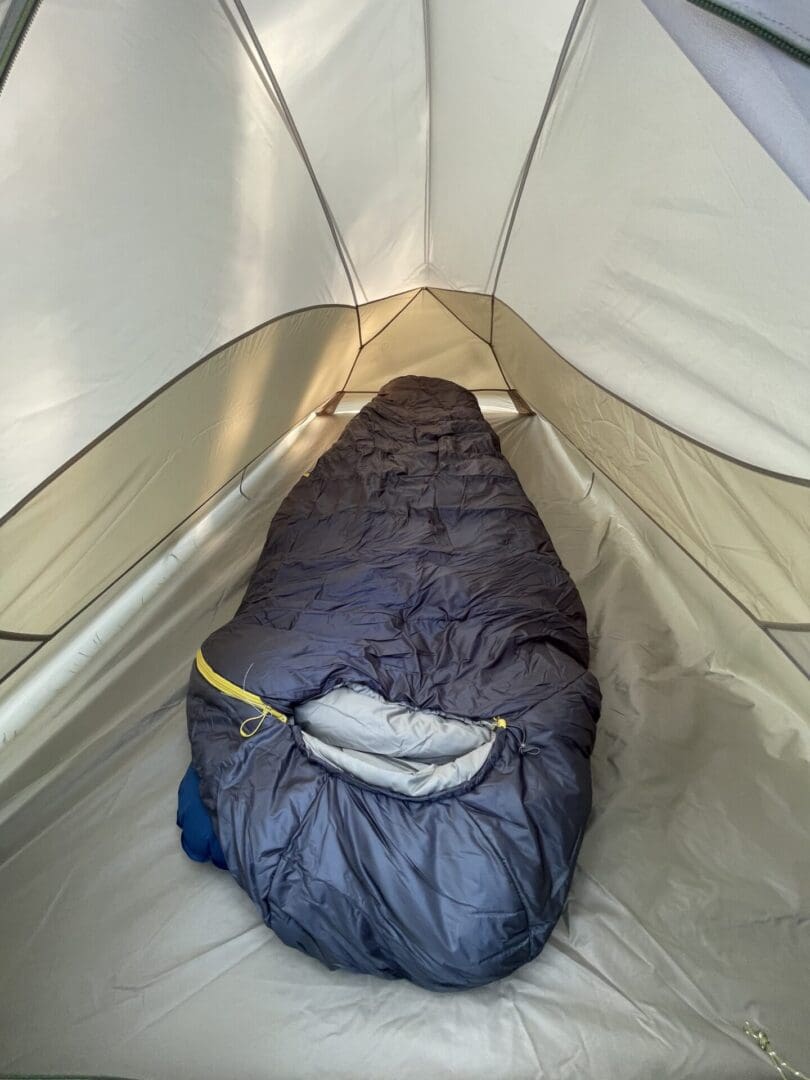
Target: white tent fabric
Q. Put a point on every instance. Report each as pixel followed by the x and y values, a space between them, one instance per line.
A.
pixel 667 256
pixel 764 86
pixel 225 225
pixel 490 71
pixel 332 57
pixel 138 148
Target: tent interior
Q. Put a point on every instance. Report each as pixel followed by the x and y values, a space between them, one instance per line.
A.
pixel 226 224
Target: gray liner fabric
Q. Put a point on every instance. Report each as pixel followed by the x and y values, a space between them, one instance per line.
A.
pixel 688 909
pixel 410 751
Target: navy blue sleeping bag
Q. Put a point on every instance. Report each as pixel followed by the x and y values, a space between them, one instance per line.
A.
pixel 392 736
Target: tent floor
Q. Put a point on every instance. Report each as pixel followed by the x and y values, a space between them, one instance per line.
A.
pixel 687 913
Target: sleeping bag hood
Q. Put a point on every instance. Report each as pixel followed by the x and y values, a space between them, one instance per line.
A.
pixel 393 734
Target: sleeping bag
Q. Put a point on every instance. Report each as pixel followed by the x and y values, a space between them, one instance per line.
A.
pixel 392 735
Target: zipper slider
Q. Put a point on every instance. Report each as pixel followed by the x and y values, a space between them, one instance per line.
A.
pixel 498 722
pixel 249 726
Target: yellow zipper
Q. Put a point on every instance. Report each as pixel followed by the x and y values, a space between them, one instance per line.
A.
pixel 225 686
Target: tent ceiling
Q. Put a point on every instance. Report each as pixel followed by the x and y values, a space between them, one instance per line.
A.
pixel 490 70
pixel 173 178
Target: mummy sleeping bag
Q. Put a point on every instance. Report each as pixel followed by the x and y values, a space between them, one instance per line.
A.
pixel 391 738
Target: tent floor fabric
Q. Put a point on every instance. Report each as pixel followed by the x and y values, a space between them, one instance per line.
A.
pixel 685 918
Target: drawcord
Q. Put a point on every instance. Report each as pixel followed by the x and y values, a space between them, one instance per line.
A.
pixel 525 747
pixel 246 730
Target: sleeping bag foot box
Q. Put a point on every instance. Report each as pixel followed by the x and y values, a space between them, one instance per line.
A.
pixel 391 738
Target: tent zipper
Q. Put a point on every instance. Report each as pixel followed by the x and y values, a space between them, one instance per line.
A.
pixel 724 11
pixel 251 724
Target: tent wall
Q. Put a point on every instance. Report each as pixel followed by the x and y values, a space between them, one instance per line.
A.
pixel 130 651
pixel 105 510
pixel 748 529
pixel 766 87
pixel 426 338
pixel 354 77
pixel 374 317
pixel 490 70
pixel 661 250
pixel 117 500
pixel 474 310
pixel 152 207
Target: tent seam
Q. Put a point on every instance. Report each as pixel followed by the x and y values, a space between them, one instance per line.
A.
pixel 501 232
pixel 239 473
pixel 363 344
pixel 155 394
pixel 799 481
pixel 427 238
pixel 34 651
pixel 284 109
pixel 760 624
pixel 805 671
pixel 479 336
pixel 416 291
pixel 458 318
pixel 533 145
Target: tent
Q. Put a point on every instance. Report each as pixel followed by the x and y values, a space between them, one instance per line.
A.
pixel 225 224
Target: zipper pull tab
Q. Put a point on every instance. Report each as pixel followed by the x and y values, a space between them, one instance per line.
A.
pixel 498 722
pixel 246 731
pixel 523 746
